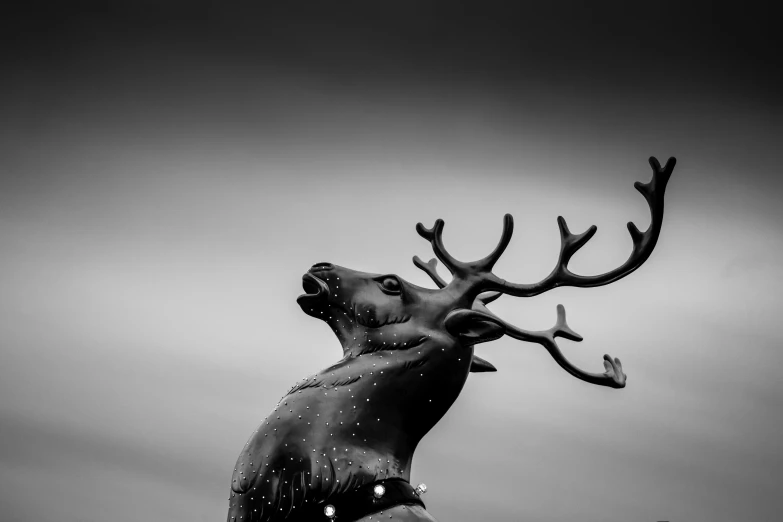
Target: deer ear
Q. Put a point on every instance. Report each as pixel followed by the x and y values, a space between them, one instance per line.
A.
pixel 473 327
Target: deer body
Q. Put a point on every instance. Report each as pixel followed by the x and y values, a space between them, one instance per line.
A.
pixel 407 353
pixel 361 419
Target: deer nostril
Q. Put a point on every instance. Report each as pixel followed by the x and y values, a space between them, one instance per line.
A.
pixel 318 267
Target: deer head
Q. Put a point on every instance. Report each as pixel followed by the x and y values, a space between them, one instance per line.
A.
pixel 383 312
pixel 407 352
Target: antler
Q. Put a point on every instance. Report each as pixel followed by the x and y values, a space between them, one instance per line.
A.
pixel 479 277
pixel 613 377
pixel 429 268
pixel 460 269
pixel 643 244
pixel 481 271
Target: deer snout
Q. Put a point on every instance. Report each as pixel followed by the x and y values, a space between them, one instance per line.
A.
pixel 321 267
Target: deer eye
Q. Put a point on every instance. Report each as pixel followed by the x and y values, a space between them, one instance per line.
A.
pixel 390 285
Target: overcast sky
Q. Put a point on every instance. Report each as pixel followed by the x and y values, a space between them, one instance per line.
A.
pixel 168 174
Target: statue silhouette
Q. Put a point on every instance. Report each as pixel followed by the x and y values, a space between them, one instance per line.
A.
pixel 339 444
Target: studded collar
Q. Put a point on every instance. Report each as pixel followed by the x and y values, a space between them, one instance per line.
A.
pixel 365 500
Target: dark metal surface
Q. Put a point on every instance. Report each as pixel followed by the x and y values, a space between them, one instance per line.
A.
pixel 361 502
pixel 407 352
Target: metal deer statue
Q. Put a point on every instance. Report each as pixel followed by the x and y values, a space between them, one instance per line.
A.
pixel 339 444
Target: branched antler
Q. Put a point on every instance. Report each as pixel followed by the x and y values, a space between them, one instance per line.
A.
pixel 612 377
pixel 429 269
pixel 478 280
pixel 643 244
pixel 460 269
pixel 435 236
pixel 480 272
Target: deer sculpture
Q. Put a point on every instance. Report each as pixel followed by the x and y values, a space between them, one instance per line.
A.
pixel 339 444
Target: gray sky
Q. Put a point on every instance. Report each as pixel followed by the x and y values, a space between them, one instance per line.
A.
pixel 166 178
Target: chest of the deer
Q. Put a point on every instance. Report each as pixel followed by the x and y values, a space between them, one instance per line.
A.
pixel 356 422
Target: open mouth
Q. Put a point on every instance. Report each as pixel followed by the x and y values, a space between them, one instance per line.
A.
pixel 315 288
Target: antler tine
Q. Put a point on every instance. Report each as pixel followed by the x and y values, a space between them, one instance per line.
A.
pixel 435 236
pixel 613 377
pixel 488 262
pixel 457 268
pixel 643 244
pixel 429 269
